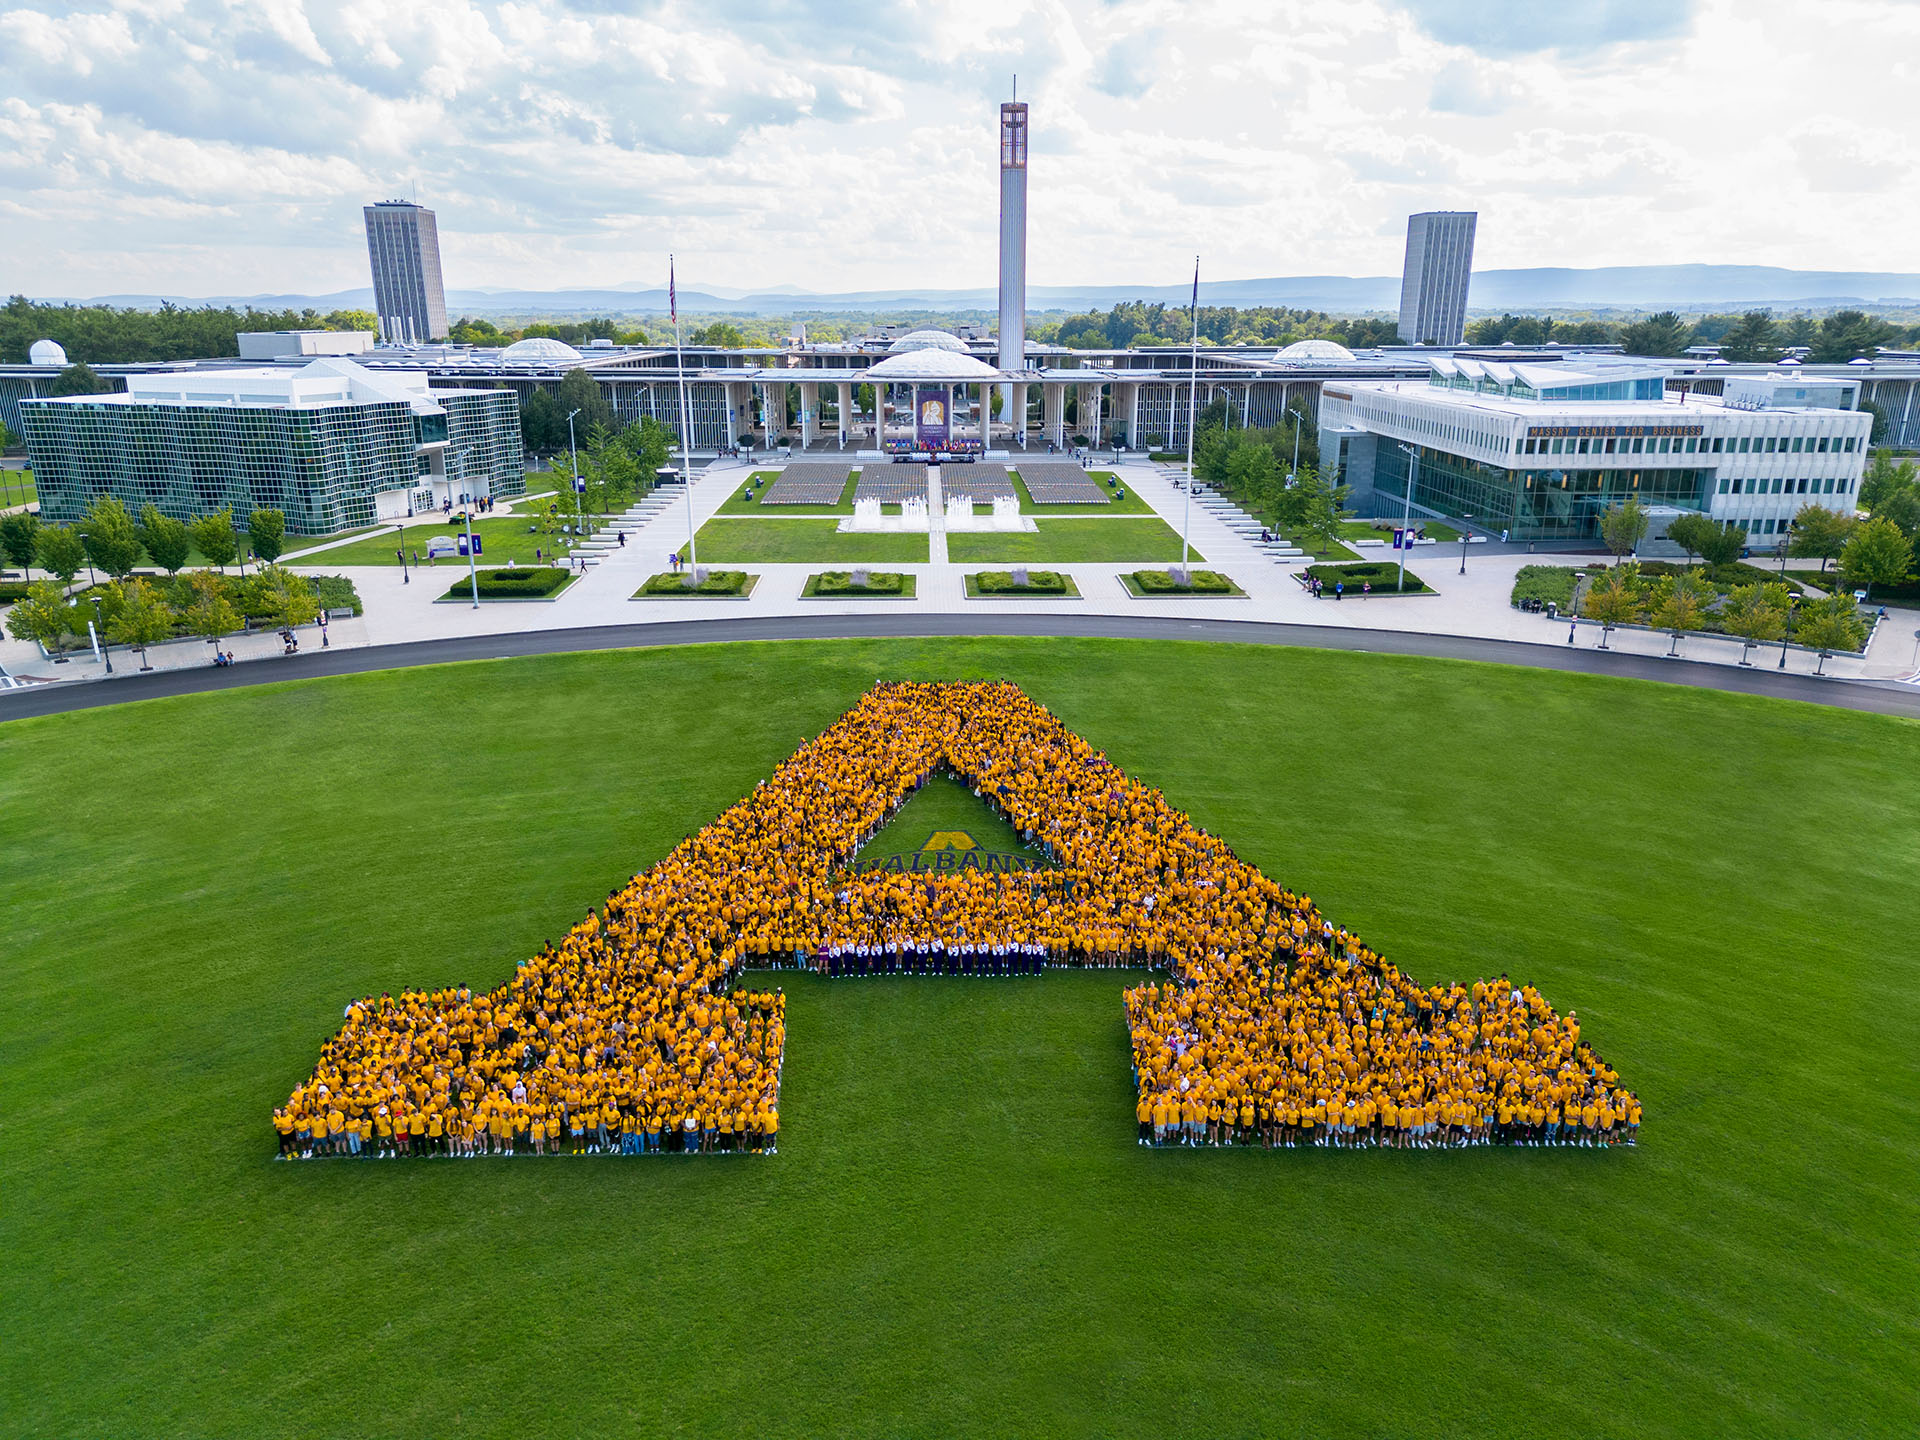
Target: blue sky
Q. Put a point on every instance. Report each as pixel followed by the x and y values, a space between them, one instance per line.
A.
pixel 199 147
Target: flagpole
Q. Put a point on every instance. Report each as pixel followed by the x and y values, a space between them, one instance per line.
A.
pixel 1193 400
pixel 686 414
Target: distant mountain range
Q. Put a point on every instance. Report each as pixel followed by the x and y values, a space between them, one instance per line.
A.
pixel 1721 287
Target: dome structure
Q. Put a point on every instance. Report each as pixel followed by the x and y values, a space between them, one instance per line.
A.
pixel 936 365
pixel 46 352
pixel 540 351
pixel 1316 350
pixel 927 340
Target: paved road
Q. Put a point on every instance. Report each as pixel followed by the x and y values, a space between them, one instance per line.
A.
pixel 1883 698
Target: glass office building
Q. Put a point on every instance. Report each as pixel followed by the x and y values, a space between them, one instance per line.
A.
pixel 323 444
pixel 1542 451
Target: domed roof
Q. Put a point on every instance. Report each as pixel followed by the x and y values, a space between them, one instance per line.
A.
pixel 1315 350
pixel 932 363
pixel 927 340
pixel 46 352
pixel 540 351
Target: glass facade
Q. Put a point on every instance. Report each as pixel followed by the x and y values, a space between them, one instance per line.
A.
pixel 1544 504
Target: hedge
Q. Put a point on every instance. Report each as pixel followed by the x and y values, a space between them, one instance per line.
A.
pixel 718 582
pixel 1384 578
pixel 1039 582
pixel 12 590
pixel 882 584
pixel 535 582
pixel 1204 582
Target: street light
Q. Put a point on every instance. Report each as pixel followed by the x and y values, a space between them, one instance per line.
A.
pixel 1300 420
pixel 1793 608
pixel 1406 512
pixel 1465 531
pixel 573 452
pixel 466 511
pixel 1784 534
pixel 99 629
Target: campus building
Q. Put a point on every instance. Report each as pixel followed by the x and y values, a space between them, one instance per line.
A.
pixel 1435 276
pixel 329 442
pixel 1540 451
pixel 403 245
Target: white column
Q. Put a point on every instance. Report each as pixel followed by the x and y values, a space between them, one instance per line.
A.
pixel 1133 416
pixel 986 415
pixel 846 412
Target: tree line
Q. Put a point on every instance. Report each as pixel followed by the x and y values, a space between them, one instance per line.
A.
pixel 1753 337
pixel 109 335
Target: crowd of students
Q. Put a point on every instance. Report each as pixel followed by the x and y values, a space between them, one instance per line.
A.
pixel 1270 1026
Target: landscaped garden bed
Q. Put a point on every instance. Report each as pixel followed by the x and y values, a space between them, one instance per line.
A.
pixel 1197 584
pixel 858 585
pixel 533 582
pixel 1021 585
pixel 680 585
pixel 1366 580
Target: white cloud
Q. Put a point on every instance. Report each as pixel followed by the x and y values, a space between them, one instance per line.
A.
pixel 202 146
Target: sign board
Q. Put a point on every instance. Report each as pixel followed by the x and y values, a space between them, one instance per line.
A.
pixel 930 418
pixel 476 544
pixel 460 543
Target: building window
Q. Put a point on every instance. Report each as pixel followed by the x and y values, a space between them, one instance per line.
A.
pixel 1723 484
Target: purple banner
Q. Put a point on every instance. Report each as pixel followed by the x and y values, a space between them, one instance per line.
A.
pixel 930 419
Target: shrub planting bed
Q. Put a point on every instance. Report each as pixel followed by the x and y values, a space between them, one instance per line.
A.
pixel 537 582
pixel 1010 585
pixel 1385 579
pixel 719 584
pixel 1547 584
pixel 1201 584
pixel 858 585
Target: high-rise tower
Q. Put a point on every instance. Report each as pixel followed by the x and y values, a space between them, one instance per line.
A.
pixel 1433 284
pixel 1013 236
pixel 403 244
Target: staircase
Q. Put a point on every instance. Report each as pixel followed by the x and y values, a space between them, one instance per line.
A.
pixel 1281 552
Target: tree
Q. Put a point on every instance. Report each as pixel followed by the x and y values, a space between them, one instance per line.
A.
pixel 267 533
pixel 111 537
pixel 1321 520
pixel 165 538
pixel 1692 533
pixel 1622 527
pixel 578 390
pixel 1832 624
pixel 1883 476
pixel 19 534
pixel 1819 532
pixel 1724 545
pixel 1850 335
pixel 1253 475
pixel 214 537
pixel 140 618
pixel 726 336
pixel 543 425
pixel 60 552
pixel 208 613
pixel 1664 334
pixel 650 443
pixel 290 599
pixel 1756 613
pixel 1877 431
pixel 1878 554
pixel 1613 599
pixel 1682 605
pixel 1754 339
pixel 42 616
pixel 1901 509
pixel 78 379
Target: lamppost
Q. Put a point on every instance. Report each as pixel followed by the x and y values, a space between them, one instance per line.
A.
pixel 99 629
pixel 1466 530
pixel 1793 607
pixel 466 511
pixel 91 580
pixel 1298 421
pixel 1784 535
pixel 573 451
pixel 1406 510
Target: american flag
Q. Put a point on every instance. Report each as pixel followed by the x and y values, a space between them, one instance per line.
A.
pixel 673 304
pixel 1196 283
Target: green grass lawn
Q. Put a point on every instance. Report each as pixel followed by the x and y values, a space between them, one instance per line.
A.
pixel 17 488
pixel 959 1236
pixel 773 541
pixel 1059 541
pixel 734 505
pixel 943 803
pixel 1132 505
pixel 502 539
